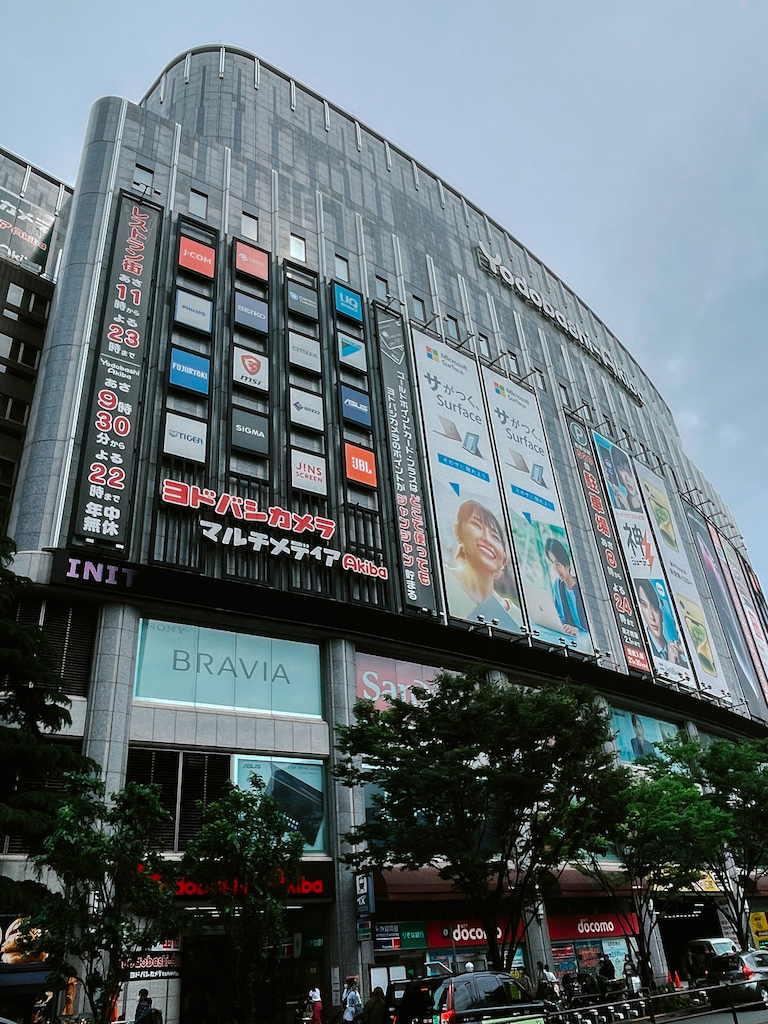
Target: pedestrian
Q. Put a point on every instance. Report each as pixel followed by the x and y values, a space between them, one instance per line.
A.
pixel 375 1009
pixel 547 981
pixel 353 1006
pixel 143 1007
pixel 315 1005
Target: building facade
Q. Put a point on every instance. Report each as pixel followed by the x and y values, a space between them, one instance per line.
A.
pixel 309 426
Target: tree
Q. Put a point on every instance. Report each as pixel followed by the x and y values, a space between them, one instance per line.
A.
pixel 494 784
pixel 243 857
pixel 107 901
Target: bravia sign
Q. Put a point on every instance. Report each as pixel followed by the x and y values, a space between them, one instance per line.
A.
pixel 250 261
pixel 199 258
pixel 302 300
pixel 250 431
pixel 250 369
pixel 189 371
pixel 251 312
pixel 185 437
pixel 193 311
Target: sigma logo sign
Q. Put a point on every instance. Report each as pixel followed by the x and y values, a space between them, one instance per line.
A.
pixel 250 261
pixel 250 431
pixel 356 406
pixel 307 409
pixel 360 465
pixel 348 303
pixel 308 472
pixel 194 256
pixel 193 311
pixel 302 300
pixel 250 369
pixel 492 264
pixel 185 437
pixel 252 313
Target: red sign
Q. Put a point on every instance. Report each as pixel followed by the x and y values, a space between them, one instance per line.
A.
pixel 252 262
pixel 378 678
pixel 464 932
pixel 195 256
pixel 361 465
pixel 591 926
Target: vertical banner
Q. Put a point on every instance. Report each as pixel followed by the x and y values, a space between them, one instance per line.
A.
pixel 548 573
pixel 662 629
pixel 729 557
pixel 111 431
pixel 685 595
pixel 475 548
pixel 417 568
pixel 26 230
pixel 726 601
pixel 622 599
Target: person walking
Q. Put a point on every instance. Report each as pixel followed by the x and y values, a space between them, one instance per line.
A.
pixel 315 1005
pixel 143 1008
pixel 375 1009
pixel 353 1007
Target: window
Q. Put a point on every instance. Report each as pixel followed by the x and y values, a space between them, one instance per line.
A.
pixel 418 309
pixel 198 204
pixel 541 380
pixel 143 176
pixel 452 328
pixel 382 288
pixel 15 295
pixel 342 268
pixel 514 365
pixel 483 345
pixel 5 345
pixel 565 398
pixel 587 410
pixel 13 409
pixel 249 227
pixel 298 249
pixel 71 631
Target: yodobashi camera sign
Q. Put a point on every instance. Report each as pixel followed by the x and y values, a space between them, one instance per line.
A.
pixel 185 437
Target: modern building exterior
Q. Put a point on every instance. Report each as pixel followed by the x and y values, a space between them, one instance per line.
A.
pixel 309 426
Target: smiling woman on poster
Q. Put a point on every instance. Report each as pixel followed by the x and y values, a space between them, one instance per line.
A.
pixel 480 563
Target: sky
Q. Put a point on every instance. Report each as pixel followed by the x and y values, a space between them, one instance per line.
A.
pixel 625 144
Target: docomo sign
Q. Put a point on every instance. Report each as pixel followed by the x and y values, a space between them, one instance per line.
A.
pixel 460 933
pixel 494 266
pixel 586 925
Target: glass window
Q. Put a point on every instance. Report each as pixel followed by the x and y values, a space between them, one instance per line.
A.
pixel 198 204
pixel 541 380
pixel 298 248
pixel 5 345
pixel 17 411
pixel 40 304
pixel 249 227
pixel 143 176
pixel 484 345
pixel 514 365
pixel 419 310
pixel 493 990
pixel 10 314
pixel 342 268
pixel 587 411
pixel 15 294
pixel 565 398
pixel 452 328
pixel 29 355
pixel 382 288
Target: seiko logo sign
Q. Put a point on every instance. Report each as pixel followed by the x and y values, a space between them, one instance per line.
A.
pixel 492 264
pixel 252 311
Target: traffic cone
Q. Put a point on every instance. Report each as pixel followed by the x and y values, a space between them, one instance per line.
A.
pixel 678 983
pixel 669 978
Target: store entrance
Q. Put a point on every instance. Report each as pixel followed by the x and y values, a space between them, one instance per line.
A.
pixel 681 922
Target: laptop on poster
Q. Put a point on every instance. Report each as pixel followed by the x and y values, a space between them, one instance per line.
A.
pixel 518 462
pixel 449 429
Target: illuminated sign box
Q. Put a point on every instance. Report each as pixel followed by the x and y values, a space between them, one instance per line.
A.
pixel 352 353
pixel 199 258
pixel 193 311
pixel 185 437
pixel 250 431
pixel 251 313
pixel 348 303
pixel 250 261
pixel 308 472
pixel 356 406
pixel 360 465
pixel 189 371
pixel 250 369
pixel 302 300
pixel 304 352
pixel 306 409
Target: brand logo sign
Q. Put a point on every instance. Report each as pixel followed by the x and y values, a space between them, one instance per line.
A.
pixel 304 352
pixel 250 369
pixel 302 300
pixel 250 431
pixel 360 464
pixel 185 437
pixel 308 472
pixel 199 258
pixel 193 311
pixel 252 262
pixel 492 264
pixel 356 406
pixel 251 313
pixel 575 927
pixel 348 303
pixel 307 409
pixel 352 353
pixel 189 371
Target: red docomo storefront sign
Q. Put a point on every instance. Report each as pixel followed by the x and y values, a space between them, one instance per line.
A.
pixel 466 932
pixel 588 926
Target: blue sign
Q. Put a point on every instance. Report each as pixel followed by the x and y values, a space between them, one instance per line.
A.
pixel 190 371
pixel 355 406
pixel 348 303
pixel 250 312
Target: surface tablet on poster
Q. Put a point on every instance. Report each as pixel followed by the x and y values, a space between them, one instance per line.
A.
pixel 251 312
pixel 250 431
pixel 297 787
pixel 302 300
pixel 352 352
pixel 754 624
pixel 548 571
pixel 250 369
pixel 308 472
pixel 193 311
pixel 306 409
pixel 189 371
pixel 475 547
pixel 304 352
pixel 197 257
pixel 348 303
pixel 355 406
pixel 185 437
pixel 686 597
pixel 251 261
pixel 360 464
pixel 662 628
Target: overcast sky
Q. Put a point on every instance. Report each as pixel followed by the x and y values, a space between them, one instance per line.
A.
pixel 626 144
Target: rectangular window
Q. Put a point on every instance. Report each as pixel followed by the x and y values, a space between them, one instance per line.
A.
pixel 452 328
pixel 198 204
pixel 342 268
pixel 143 176
pixel 565 398
pixel 298 248
pixel 484 346
pixel 541 380
pixel 15 294
pixel 5 345
pixel 382 288
pixel 418 309
pixel 514 365
pixel 587 410
pixel 249 227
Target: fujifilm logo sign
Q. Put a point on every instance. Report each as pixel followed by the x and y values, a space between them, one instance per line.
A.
pixel 493 265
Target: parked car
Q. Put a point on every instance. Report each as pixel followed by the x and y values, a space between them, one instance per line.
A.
pixel 470 999
pixel 699 953
pixel 394 996
pixel 742 977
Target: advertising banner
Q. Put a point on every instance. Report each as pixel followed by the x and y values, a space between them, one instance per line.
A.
pixel 308 472
pixel 622 597
pixel 251 313
pixel 355 406
pixel 476 550
pixel 306 409
pixel 197 257
pixel 250 369
pixel 250 431
pixel 298 788
pixel 110 436
pixel 639 736
pixel 547 569
pixel 26 230
pixel 415 553
pixel 663 636
pixel 252 262
pixel 190 371
pixel 379 678
pixel 304 352
pixel 730 559
pixel 302 300
pixel 360 464
pixel 348 303
pixel 352 353
pixel 185 437
pixel 193 311
pixel 687 600
pixel 734 626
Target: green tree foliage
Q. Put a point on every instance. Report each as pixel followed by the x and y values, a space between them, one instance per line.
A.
pixel 494 784
pixel 107 901
pixel 243 857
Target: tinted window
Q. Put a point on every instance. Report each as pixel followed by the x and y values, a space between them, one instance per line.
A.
pixel 462 996
pixel 760 960
pixel 492 991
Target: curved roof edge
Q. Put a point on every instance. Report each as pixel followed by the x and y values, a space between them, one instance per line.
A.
pixel 210 48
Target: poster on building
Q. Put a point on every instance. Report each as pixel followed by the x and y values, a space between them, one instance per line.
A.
pixel 619 587
pixel 380 679
pixel 685 595
pixel 26 230
pixel 415 552
pixel 475 547
pixel 548 571
pixel 740 643
pixel 729 557
pixel 111 433
pixel 662 629
pixel 298 788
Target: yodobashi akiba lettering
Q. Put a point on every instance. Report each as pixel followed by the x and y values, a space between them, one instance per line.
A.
pixel 363 567
pixel 184 661
pixel 493 265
